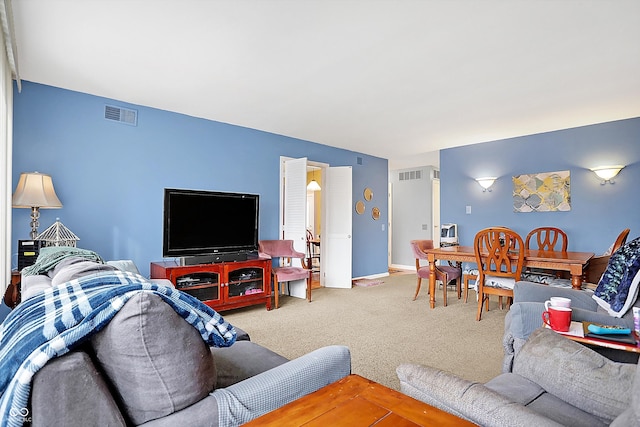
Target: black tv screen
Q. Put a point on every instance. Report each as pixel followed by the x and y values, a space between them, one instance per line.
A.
pixel 200 222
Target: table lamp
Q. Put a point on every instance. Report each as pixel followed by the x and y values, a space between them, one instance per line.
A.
pixel 35 190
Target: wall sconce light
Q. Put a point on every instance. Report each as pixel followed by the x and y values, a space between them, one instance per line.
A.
pixel 607 173
pixel 35 190
pixel 486 182
pixel 313 185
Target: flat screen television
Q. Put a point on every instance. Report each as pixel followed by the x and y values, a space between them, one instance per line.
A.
pixel 199 222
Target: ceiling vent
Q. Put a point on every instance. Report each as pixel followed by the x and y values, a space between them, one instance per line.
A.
pixel 122 115
pixel 410 175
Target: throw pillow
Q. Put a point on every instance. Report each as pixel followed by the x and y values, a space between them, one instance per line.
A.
pixel 156 361
pixel 618 288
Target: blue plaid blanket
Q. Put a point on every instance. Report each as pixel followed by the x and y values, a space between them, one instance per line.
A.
pixel 53 322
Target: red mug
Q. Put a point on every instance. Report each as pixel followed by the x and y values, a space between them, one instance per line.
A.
pixel 558 318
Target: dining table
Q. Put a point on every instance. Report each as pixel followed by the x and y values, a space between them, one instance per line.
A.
pixel 573 262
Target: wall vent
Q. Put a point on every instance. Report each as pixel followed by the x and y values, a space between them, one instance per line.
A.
pixel 410 175
pixel 359 160
pixel 122 115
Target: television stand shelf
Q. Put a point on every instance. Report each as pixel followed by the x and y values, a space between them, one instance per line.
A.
pixel 221 286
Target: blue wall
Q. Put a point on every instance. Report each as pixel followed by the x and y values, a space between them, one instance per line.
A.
pixel 598 212
pixel 110 176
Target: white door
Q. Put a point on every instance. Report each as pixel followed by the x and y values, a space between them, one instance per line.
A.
pixel 335 242
pixel 295 204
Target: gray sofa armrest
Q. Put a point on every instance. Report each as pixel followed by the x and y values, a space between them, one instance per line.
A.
pixel 524 317
pixel 265 392
pixel 466 399
pixel 536 292
pixel 69 391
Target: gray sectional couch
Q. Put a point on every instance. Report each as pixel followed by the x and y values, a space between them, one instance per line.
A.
pixel 553 382
pixel 149 367
pixel 149 364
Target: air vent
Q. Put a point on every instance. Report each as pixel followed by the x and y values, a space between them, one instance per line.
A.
pixel 410 175
pixel 122 115
pixel 359 160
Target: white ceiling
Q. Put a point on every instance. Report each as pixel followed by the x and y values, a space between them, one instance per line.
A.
pixel 390 78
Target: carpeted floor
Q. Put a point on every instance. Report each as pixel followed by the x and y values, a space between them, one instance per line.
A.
pixel 383 327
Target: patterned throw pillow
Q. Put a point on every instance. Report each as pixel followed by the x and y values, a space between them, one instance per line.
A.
pixel 618 287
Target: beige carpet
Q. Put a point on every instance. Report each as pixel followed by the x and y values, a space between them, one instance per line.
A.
pixel 383 327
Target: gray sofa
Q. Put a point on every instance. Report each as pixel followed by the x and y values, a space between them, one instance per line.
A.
pixel 149 366
pixel 554 381
pixel 525 316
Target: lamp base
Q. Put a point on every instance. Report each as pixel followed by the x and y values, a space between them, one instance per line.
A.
pixel 35 215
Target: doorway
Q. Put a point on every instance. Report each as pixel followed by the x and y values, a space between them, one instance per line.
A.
pixel 331 218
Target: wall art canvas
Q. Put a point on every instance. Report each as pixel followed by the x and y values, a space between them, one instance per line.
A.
pixel 542 192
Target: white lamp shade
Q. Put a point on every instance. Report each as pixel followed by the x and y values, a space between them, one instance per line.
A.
pixel 313 186
pixel 607 172
pixel 486 182
pixel 35 189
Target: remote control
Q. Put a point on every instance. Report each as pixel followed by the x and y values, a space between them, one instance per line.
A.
pixel 604 329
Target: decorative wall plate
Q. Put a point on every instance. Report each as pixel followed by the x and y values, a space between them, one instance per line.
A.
pixel 375 213
pixel 359 207
pixel 368 194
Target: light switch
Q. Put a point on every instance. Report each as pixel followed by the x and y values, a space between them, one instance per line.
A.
pixel 468 210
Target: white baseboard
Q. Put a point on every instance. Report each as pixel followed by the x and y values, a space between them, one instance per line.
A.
pixel 404 267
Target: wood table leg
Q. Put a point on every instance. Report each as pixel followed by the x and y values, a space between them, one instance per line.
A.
pixel 576 277
pixel 432 280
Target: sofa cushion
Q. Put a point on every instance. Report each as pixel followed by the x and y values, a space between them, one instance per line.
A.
pixel 69 391
pixel 73 268
pixel 631 416
pixel 532 396
pixel 515 387
pixel 243 360
pixel 560 411
pixel 155 360
pixel 576 374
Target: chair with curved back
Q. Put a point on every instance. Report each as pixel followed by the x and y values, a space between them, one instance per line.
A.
pixel 545 239
pixel 598 264
pixel 500 255
pixel 284 271
pixel 444 273
pixel 620 240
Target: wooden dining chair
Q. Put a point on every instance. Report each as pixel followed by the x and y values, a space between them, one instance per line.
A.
pixel 547 239
pixel 500 255
pixel 444 273
pixel 284 271
pixel 598 264
pixel 620 240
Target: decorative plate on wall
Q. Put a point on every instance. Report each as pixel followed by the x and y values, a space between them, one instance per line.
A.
pixel 368 194
pixel 375 213
pixel 359 207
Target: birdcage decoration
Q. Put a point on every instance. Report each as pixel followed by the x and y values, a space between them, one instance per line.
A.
pixel 57 235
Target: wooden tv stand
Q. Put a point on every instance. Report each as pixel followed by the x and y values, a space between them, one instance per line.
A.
pixel 221 286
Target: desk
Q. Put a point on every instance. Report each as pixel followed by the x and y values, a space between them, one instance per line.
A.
pixel 357 401
pixel 573 262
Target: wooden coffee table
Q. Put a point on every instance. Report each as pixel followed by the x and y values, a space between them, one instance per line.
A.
pixel 356 401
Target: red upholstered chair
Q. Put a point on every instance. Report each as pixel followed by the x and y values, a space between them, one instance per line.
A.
pixel 444 273
pixel 284 271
